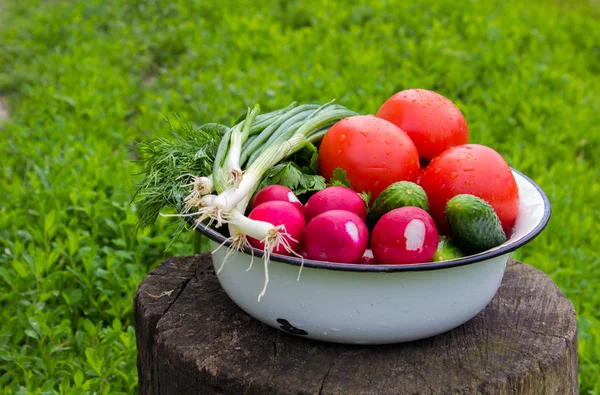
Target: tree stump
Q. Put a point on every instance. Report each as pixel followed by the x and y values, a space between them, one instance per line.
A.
pixel 192 339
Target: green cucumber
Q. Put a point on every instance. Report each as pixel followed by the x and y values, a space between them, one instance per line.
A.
pixel 399 194
pixel 474 223
pixel 446 250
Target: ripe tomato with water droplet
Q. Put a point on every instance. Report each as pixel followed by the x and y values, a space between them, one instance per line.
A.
pixel 481 172
pixel 432 129
pixel 375 160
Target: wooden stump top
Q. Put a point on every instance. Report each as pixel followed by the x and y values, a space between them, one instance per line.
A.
pixel 192 339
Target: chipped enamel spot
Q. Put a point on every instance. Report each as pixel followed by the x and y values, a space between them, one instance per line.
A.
pixel 415 235
pixel 292 198
pixel 352 230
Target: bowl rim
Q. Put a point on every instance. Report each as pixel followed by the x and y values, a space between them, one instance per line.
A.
pixel 353 267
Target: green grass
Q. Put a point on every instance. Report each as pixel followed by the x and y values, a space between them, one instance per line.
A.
pixel 85 80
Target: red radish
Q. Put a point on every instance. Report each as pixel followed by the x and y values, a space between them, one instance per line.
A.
pixel 367 258
pixel 335 198
pixel 275 192
pixel 336 236
pixel 277 213
pixel 404 235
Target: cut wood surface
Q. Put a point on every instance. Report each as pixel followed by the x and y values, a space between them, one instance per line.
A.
pixel 192 339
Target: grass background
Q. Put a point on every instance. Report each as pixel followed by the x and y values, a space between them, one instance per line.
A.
pixel 85 80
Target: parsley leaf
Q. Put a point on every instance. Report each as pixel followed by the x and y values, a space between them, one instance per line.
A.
pixel 290 175
pixel 307 159
pixel 339 178
pixel 366 197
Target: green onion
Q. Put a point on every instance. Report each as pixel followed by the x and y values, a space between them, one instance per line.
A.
pixel 239 135
pixel 298 113
pixel 242 155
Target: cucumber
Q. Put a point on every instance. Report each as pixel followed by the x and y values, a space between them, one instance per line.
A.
pixel 399 194
pixel 474 223
pixel 446 250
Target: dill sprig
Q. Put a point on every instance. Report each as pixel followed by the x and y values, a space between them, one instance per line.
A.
pixel 166 161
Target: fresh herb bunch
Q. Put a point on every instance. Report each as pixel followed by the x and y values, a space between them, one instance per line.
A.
pixel 300 173
pixel 210 174
pixel 168 163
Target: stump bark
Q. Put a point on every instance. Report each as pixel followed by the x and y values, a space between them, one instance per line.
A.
pixel 192 339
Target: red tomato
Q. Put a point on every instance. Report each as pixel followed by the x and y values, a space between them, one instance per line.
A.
pixel 474 169
pixel 433 122
pixel 421 171
pixel 374 152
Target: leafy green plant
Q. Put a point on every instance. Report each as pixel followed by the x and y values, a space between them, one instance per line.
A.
pixel 167 164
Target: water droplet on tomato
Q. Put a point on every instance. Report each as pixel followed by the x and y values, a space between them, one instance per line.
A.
pixel 342 137
pixel 364 133
pixel 387 142
pixel 453 175
pixel 469 168
pixel 388 152
pixel 414 100
pixel 339 151
pixel 369 140
pixel 443 186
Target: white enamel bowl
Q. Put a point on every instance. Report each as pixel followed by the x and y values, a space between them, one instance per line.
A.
pixel 376 304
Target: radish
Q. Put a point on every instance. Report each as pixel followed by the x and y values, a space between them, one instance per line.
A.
pixel 404 235
pixel 335 198
pixel 283 214
pixel 336 236
pixel 275 192
pixel 367 258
